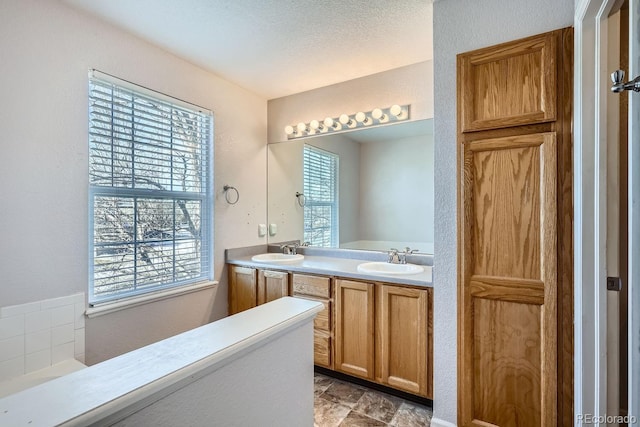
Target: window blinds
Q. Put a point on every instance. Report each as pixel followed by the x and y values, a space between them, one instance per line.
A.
pixel 150 191
pixel 320 182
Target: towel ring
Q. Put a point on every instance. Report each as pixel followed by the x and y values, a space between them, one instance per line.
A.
pixel 302 199
pixel 226 189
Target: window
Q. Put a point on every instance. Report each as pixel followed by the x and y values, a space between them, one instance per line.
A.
pixel 320 172
pixel 149 190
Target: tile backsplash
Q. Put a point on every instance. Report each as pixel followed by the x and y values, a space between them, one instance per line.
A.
pixel 39 334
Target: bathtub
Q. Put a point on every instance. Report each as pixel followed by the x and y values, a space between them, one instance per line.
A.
pixel 35 378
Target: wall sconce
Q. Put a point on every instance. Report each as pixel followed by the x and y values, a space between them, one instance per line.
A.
pixel 377 116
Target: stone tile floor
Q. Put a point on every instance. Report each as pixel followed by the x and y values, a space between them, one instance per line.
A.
pixel 339 403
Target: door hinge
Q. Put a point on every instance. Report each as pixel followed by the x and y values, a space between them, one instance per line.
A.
pixel 614 284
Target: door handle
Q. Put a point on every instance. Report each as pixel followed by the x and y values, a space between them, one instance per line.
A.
pixel 617 77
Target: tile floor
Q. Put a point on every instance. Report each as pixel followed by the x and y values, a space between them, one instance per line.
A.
pixel 339 403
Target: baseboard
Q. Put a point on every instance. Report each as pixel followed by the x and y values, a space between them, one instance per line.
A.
pixel 437 422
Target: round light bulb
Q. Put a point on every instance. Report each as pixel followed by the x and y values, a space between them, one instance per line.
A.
pixel 395 110
pixel 315 125
pixel 344 119
pixel 289 130
pixel 302 127
pixel 328 122
pixel 379 115
pixel 360 117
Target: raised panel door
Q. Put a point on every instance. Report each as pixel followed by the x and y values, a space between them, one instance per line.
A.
pixel 272 285
pixel 354 328
pixel 508 300
pixel 243 292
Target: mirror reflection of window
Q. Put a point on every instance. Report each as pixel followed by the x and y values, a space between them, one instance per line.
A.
pixel 320 187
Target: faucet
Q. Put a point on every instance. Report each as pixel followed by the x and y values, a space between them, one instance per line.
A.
pixel 393 256
pixel 290 248
pixel 407 251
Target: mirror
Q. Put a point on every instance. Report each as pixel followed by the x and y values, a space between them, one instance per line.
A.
pixel 383 196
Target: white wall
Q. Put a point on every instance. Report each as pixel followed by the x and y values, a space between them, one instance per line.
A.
pixel 460 26
pixel 398 172
pixel 46 50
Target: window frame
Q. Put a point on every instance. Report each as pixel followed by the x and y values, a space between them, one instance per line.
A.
pixel 204 197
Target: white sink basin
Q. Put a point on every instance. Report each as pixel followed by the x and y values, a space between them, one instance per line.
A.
pixel 388 268
pixel 277 258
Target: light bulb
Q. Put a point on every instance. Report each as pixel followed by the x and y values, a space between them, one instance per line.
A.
pixel 316 125
pixel 346 120
pixel 302 127
pixel 362 118
pixel 289 130
pixel 396 111
pixel 379 115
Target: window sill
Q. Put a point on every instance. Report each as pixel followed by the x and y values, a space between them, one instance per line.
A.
pixel 111 307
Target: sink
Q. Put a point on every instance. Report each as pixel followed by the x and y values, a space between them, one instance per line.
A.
pixel 277 258
pixel 388 268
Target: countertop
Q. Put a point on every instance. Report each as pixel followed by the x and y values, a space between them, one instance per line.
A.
pixel 334 266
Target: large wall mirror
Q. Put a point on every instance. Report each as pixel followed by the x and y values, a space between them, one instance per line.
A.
pixel 368 189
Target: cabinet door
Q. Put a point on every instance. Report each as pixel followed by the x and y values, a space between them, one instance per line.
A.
pixel 512 84
pixel 243 293
pixel 272 285
pixel 508 282
pixel 354 350
pixel 402 326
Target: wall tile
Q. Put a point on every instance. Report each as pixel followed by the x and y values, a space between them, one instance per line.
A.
pixel 37 321
pixel 14 310
pixel 62 315
pixel 37 341
pixel 11 368
pixel 61 352
pixel 57 302
pixel 79 309
pixel 79 343
pixel 38 360
pixel 11 348
pixel 11 326
pixel 62 334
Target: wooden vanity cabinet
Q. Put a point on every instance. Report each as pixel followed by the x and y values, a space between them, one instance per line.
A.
pixel 354 345
pixel 318 288
pixel 243 289
pixel 272 285
pixel 383 334
pixel 403 336
pixel 249 287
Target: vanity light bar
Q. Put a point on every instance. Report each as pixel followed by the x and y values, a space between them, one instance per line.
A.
pixel 377 116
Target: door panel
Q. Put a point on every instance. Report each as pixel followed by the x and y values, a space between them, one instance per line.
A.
pixel 354 328
pixel 511 85
pixel 508 298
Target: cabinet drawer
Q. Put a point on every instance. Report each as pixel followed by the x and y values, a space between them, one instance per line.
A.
pixel 322 349
pixel 322 321
pixel 312 285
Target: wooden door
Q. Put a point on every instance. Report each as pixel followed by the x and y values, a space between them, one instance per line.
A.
pixel 402 326
pixel 515 233
pixel 272 285
pixel 243 292
pixel 354 349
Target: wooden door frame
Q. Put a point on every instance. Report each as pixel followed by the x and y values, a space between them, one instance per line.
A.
pixel 590 196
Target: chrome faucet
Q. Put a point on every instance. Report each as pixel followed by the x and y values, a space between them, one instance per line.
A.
pixel 393 256
pixel 407 251
pixel 290 248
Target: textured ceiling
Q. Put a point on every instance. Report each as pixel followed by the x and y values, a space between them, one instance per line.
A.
pixel 280 47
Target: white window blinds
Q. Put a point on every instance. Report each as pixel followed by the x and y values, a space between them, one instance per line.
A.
pixel 150 191
pixel 320 176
